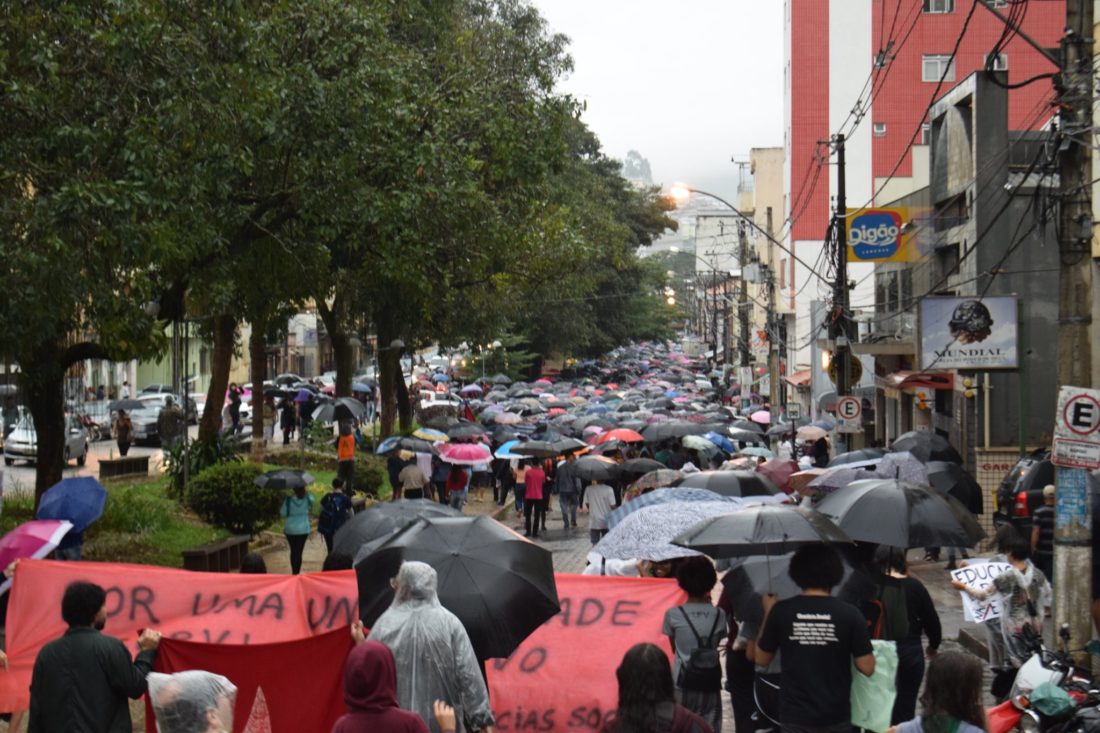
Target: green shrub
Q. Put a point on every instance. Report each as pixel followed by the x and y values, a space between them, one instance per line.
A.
pixel 370 473
pixel 200 456
pixel 224 495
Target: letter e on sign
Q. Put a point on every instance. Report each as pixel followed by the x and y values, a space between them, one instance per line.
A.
pixel 848 408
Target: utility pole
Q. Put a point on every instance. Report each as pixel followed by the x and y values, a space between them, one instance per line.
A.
pixel 773 332
pixel 743 293
pixel 1073 530
pixel 840 322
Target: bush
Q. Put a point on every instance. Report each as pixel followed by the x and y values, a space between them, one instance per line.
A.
pixel 224 495
pixel 200 456
pixel 370 473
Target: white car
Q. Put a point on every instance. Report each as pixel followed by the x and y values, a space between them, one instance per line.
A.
pixel 22 443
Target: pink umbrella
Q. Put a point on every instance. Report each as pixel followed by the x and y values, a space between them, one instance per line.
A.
pixel 543 380
pixel 507 418
pixel 779 470
pixel 34 539
pixel 465 454
pixel 761 416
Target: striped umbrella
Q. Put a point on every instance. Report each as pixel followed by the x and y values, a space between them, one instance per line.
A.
pixel 663 496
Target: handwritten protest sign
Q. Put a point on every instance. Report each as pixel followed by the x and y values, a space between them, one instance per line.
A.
pixel 980 575
pixel 562 678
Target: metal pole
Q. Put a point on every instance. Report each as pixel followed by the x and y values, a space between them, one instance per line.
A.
pixel 1073 529
pixel 839 327
pixel 773 332
pixel 743 293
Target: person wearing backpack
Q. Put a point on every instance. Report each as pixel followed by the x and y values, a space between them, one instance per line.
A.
pixel 694 631
pixel 335 510
pixel 922 620
pixel 296 510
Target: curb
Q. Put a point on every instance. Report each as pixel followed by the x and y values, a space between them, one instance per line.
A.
pixel 973 644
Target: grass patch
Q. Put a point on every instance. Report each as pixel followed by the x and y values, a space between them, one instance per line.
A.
pixel 140 524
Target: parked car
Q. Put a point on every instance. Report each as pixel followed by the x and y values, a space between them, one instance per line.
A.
pixel 156 389
pixel 1021 490
pixel 22 443
pixel 158 399
pixel 144 420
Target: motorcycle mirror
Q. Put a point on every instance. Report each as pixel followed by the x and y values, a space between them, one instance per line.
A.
pixel 1093 648
pixel 1063 632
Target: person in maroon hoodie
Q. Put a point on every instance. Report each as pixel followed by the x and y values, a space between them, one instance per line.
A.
pixel 370 692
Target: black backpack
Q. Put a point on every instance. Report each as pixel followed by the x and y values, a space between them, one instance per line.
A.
pixel 702 672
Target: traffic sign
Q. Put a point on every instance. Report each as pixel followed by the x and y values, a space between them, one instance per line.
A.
pixel 794 411
pixel 1077 429
pixel 849 411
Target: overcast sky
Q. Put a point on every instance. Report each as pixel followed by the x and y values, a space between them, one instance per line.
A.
pixel 687 84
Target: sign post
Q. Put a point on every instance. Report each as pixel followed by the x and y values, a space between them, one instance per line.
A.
pixel 1076 452
pixel 849 414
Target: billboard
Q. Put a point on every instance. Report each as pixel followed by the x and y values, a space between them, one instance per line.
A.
pixel 968 333
pixel 880 235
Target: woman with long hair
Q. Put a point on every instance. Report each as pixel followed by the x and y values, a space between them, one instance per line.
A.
pixel 646 699
pixel 952 699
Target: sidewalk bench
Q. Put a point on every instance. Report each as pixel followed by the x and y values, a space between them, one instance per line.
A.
pixel 128 466
pixel 221 556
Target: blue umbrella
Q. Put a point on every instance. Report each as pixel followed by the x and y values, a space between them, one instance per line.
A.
pixel 388 444
pixel 721 441
pixel 824 424
pixel 440 377
pixel 505 450
pixel 304 395
pixel 79 500
pixel 360 387
pixel 663 496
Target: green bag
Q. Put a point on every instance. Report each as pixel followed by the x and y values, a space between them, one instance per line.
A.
pixel 872 698
pixel 1052 701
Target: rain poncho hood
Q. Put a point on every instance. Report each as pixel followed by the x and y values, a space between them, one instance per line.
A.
pixel 432 651
pixel 191 700
pixel 370 692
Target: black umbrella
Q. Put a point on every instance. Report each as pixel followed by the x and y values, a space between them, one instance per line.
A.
pixel 536 449
pixel 657 432
pixel 953 480
pixel 564 446
pixel 498 584
pixel 500 379
pixel 892 512
pixel 926 446
pixel 744 436
pixel 284 479
pixel 731 483
pixel 342 408
pixel 591 468
pixel 764 529
pixel 441 422
pixel 857 456
pixel 502 434
pixel 416 445
pixel 466 431
pixel 639 466
pixel 761 574
pixel 383 519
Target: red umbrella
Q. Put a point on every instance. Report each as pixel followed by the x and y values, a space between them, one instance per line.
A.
pixel 621 434
pixel 779 470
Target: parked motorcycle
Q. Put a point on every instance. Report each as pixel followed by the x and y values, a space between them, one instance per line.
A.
pixel 1019 711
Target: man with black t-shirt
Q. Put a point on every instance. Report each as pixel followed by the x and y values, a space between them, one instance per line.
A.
pixel 819 637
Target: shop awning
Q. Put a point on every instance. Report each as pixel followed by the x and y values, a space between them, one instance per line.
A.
pixel 905 379
pixel 801 378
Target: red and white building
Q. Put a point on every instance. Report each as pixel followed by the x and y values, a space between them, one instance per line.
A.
pixel 879 61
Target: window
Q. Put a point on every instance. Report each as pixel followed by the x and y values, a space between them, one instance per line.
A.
pixel 938 66
pixel 926 134
pixel 999 63
pixel 880 129
pixel 939 6
pixel 997 3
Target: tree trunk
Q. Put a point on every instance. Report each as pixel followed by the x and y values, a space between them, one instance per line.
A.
pixel 45 399
pixel 389 372
pixel 404 405
pixel 341 353
pixel 225 330
pixel 257 352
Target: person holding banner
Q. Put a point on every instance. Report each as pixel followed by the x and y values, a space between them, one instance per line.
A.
pixel 1025 593
pixel 370 692
pixel 81 681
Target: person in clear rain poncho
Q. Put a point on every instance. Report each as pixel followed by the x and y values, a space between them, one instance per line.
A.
pixel 192 702
pixel 435 660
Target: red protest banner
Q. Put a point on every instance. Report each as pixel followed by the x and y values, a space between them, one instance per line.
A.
pixel 561 678
pixel 218 608
pixel 286 687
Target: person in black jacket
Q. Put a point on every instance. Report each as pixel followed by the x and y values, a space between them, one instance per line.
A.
pixel 923 620
pixel 81 681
